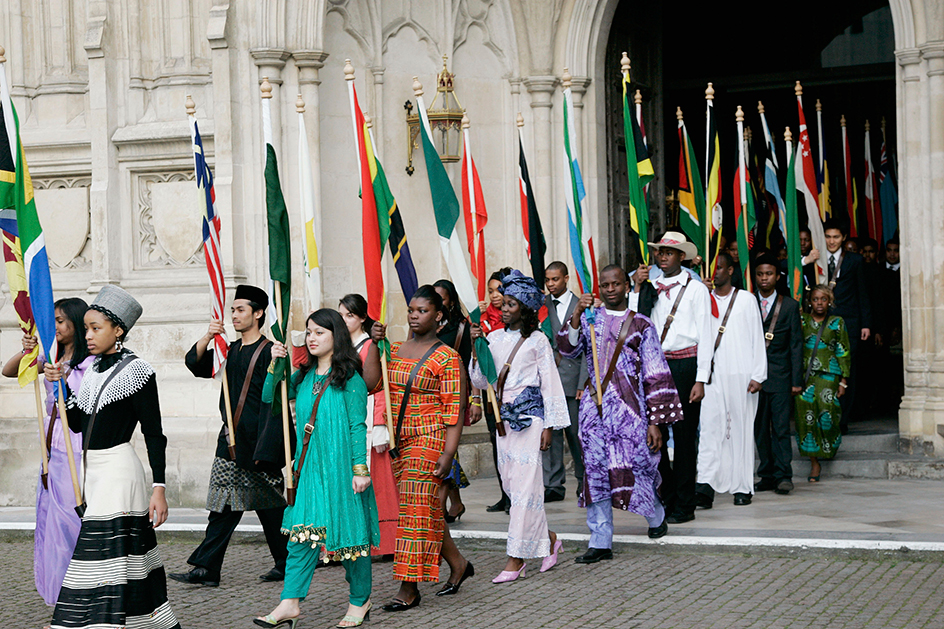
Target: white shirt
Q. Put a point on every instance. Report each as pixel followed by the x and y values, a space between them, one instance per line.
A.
pixel 767 304
pixel 893 267
pixel 563 305
pixel 656 273
pixel 692 323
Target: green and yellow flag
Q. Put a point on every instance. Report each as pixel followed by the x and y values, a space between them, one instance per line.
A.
pixel 638 166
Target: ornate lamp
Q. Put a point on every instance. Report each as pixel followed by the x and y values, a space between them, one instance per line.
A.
pixel 445 121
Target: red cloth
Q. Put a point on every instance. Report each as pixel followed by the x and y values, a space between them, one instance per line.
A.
pixel 688 352
pixel 491 319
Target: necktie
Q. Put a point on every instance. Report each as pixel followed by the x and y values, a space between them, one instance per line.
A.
pixel 763 307
pixel 556 302
pixel 832 266
pixel 662 288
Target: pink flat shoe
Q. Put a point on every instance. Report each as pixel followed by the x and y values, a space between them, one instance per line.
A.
pixel 551 560
pixel 507 576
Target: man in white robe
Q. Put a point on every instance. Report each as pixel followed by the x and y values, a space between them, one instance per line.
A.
pixel 726 440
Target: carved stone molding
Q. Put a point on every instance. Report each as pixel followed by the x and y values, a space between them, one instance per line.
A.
pixel 168 235
pixel 68 238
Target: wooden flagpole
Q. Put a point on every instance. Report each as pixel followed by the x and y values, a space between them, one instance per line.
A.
pixel 66 437
pixel 596 362
pixel 40 414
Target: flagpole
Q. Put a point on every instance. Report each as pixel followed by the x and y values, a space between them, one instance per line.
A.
pixel 70 455
pixel 40 415
pixel 709 211
pixel 742 185
pixel 821 174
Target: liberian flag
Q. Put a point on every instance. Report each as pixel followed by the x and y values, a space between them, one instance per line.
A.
pixel 806 184
pixel 852 201
pixel 530 219
pixel 211 241
pixel 29 231
pixel 873 211
pixel 578 219
pixel 473 209
pixel 691 194
pixel 306 197
pixel 446 210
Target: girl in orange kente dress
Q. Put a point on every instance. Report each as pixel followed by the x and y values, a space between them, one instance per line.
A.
pixel 426 444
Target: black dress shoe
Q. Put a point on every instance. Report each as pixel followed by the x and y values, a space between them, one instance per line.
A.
pixel 703 501
pixel 784 487
pixel 197 576
pixel 594 555
pixel 501 505
pixel 275 574
pixel 680 517
pixel 453 588
pixel 742 500
pixel 553 496
pixel 396 605
pixel 765 484
pixel 655 532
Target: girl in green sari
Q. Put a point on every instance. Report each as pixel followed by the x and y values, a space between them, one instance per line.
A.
pixel 826 360
pixel 329 521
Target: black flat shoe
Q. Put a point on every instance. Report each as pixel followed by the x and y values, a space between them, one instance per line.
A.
pixel 742 500
pixel 454 518
pixel 655 532
pixel 197 576
pixel 501 505
pixel 594 555
pixel 453 588
pixel 765 484
pixel 784 487
pixel 275 574
pixel 396 605
pixel 553 496
pixel 680 518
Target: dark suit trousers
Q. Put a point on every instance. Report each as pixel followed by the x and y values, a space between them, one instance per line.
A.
pixel 554 473
pixel 847 401
pixel 490 423
pixel 772 435
pixel 678 477
pixel 220 527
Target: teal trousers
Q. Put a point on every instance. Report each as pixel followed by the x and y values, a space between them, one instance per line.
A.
pixel 300 568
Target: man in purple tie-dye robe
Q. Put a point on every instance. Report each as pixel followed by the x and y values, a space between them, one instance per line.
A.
pixel 621 446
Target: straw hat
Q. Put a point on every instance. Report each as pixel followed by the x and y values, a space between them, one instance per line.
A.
pixel 676 240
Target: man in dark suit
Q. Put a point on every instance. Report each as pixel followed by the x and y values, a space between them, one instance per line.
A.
pixel 870 368
pixel 784 338
pixel 846 277
pixel 560 304
pixel 891 370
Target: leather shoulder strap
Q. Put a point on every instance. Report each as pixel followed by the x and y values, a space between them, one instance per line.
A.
pixel 819 337
pixel 247 381
pixel 88 432
pixel 310 428
pixel 620 341
pixel 769 336
pixel 675 307
pixel 503 374
pixel 401 413
pixel 460 330
pixel 721 329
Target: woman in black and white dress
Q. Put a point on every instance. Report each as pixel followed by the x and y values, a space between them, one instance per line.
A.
pixel 116 577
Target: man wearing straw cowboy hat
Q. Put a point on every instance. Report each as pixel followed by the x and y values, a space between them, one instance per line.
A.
pixel 246 476
pixel 680 308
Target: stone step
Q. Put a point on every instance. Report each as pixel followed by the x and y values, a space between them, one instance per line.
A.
pixel 873 465
pixel 854 442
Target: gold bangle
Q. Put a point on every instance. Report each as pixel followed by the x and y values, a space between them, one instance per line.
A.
pixel 361 470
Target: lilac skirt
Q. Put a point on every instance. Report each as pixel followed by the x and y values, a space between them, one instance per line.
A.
pixel 57 528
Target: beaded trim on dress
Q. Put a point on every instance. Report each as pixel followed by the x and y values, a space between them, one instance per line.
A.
pixel 128 382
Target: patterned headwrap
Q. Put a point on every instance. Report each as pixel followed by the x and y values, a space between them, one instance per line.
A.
pixel 518 285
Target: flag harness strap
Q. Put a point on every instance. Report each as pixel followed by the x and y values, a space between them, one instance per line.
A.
pixel 242 396
pixel 620 341
pixel 819 337
pixel 721 329
pixel 769 336
pixel 395 451
pixel 503 374
pixel 310 428
pixel 835 277
pixel 671 317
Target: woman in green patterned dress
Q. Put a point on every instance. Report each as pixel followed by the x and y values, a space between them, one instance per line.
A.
pixel 329 521
pixel 817 407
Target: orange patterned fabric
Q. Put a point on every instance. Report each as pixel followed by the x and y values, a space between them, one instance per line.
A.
pixel 433 404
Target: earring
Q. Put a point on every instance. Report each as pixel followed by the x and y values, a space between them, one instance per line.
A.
pixel 118 344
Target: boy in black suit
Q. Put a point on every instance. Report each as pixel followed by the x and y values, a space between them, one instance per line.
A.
pixel 784 339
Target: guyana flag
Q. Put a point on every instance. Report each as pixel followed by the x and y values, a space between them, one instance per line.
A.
pixel 638 167
pixel 691 195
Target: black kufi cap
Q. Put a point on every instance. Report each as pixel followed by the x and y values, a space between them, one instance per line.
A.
pixel 253 294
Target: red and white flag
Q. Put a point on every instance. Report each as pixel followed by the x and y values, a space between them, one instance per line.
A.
pixel 473 208
pixel 806 185
pixel 873 210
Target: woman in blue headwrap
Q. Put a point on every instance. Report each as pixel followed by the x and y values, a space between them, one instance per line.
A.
pixel 532 404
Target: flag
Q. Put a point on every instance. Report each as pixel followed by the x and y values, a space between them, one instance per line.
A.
pixel 852 201
pixel 792 233
pixel 530 219
pixel 26 243
pixel 873 210
pixel 691 195
pixel 446 211
pixel 639 170
pixel 387 209
pixel 211 241
pixel 280 255
pixel 822 172
pixel 806 185
pixel 637 98
pixel 306 198
pixel 473 209
pixel 714 215
pixel 744 218
pixel 578 218
pixel 888 196
pixel 771 182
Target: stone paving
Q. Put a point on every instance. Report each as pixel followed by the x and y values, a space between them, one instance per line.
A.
pixel 639 589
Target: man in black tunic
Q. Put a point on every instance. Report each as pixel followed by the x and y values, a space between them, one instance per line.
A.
pixel 252 479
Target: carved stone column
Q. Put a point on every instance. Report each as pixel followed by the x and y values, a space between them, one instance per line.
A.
pixel 541 89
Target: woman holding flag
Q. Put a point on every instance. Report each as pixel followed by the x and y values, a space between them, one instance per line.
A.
pixel 57 524
pixel 424 378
